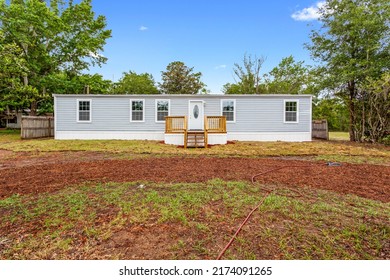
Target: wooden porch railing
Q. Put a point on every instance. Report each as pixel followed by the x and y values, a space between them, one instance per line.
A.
pixel 175 124
pixel 212 124
pixel 215 124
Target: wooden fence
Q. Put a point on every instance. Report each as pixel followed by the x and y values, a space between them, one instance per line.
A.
pixel 320 129
pixel 37 127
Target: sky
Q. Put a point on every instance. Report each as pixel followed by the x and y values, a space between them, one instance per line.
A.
pixel 208 35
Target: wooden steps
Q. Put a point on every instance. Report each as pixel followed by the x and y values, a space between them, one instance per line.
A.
pixel 196 139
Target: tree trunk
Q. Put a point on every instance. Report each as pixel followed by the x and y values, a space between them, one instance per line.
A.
pixel 33 108
pixel 351 105
pixel 363 122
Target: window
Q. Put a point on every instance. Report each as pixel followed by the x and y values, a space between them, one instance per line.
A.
pixel 229 109
pixel 162 109
pixel 291 111
pixel 84 110
pixel 137 110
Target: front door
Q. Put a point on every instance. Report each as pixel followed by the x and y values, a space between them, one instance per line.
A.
pixel 196 117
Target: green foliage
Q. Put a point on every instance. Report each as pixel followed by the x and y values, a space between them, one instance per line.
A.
pixel 65 83
pixel 334 111
pixel 50 38
pixel 180 79
pixel 352 45
pixel 232 89
pixel 12 66
pixel 290 77
pixel 376 110
pixel 133 83
pixel 248 79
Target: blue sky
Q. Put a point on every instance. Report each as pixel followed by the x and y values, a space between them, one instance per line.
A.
pixel 209 35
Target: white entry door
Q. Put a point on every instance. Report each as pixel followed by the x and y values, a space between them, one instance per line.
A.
pixel 196 115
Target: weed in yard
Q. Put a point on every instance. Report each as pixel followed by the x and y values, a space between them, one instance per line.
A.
pixel 202 227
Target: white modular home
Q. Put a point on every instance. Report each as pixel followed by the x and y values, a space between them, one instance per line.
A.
pixel 197 120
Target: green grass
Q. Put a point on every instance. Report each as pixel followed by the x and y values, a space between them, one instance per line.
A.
pixel 339 135
pixel 319 150
pixel 9 136
pixel 192 221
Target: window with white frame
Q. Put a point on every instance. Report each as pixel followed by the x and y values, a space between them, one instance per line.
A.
pixel 83 110
pixel 291 111
pixel 162 109
pixel 137 111
pixel 229 109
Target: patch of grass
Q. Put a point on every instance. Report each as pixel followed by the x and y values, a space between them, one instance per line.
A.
pixel 320 150
pixel 9 135
pixel 339 135
pixel 83 222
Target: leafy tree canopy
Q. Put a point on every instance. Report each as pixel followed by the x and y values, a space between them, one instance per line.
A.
pixel 51 36
pixel 180 79
pixel 247 76
pixel 290 77
pixel 133 83
pixel 352 45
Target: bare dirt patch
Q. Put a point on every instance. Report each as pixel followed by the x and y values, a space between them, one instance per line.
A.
pixel 48 174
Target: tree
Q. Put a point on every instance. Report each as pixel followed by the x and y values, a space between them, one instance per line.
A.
pixel 53 37
pixel 248 79
pixel 180 79
pixel 12 66
pixel 65 83
pixel 290 77
pixel 352 45
pixel 232 89
pixel 376 109
pixel 334 111
pixel 133 83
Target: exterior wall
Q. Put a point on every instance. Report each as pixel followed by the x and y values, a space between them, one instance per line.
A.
pixel 257 117
pixel 18 123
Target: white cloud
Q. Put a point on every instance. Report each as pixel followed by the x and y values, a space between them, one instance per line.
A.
pixel 222 66
pixel 95 55
pixel 308 14
pixel 143 28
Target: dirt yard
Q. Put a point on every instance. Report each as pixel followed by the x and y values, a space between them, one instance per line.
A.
pixel 26 174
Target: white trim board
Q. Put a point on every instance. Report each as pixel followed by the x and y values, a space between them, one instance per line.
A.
pixel 110 135
pixel 178 138
pixel 284 111
pixel 269 136
pixel 156 112
pixel 143 111
pixel 78 110
pixel 234 109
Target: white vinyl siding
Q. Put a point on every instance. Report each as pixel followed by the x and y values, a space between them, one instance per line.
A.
pixel 291 111
pixel 84 110
pixel 228 108
pixel 162 109
pixel 137 110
